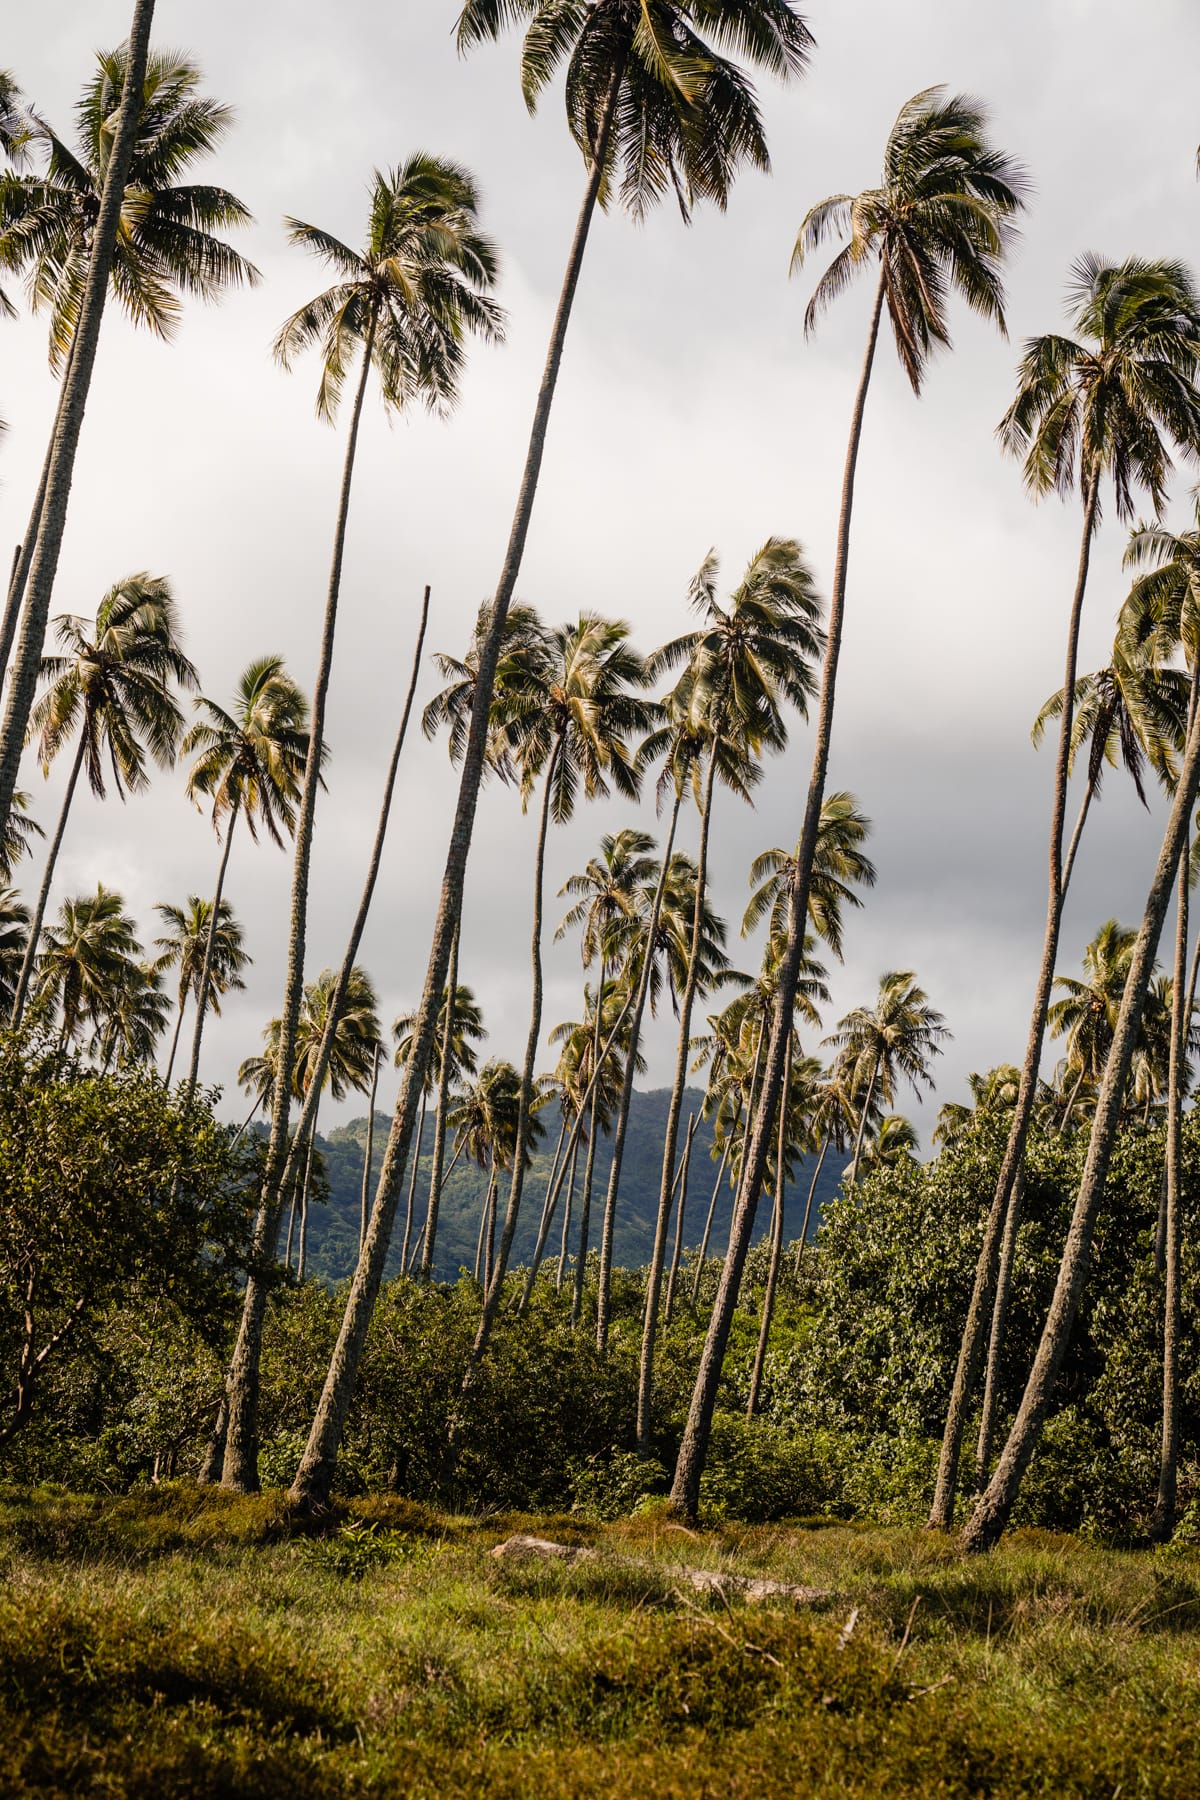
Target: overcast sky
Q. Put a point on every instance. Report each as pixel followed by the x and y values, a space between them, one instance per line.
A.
pixel 691 415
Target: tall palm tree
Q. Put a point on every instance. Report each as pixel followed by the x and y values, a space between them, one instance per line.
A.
pixel 85 958
pixel 249 763
pixel 110 213
pixel 1087 1012
pixel 16 839
pixel 136 1018
pixel 993 1092
pixel 894 1039
pixel 743 665
pixel 1106 404
pixel 405 304
pixel 839 864
pixel 939 220
pixel 650 95
pixel 14 934
pixel 568 714
pixel 486 1120
pixel 460 1029
pixel 183 945
pixel 114 686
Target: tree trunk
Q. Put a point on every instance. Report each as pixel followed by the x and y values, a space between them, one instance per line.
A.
pixel 862 1123
pixel 302 1258
pixel 608 1228
pixel 671 1136
pixel 497 1271
pixel 439 1130
pixel 812 1188
pixel 315 1476
pixel 585 1202
pixel 942 1512
pixel 991 1379
pixel 992 1511
pixel 175 1034
pixel 209 950
pixel 677 1249
pixel 412 1187
pixel 244 1369
pixel 363 1198
pixel 214 1454
pixel 565 1244
pixel 764 1329
pixel 39 913
pixel 685 1490
pixel 712 1208
pixel 61 466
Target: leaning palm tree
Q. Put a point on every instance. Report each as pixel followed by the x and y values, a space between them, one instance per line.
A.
pixel 1086 1012
pixel 249 764
pixel 838 865
pixel 114 687
pixel 405 305
pixel 183 945
pixel 1107 404
pixel 892 1040
pixel 939 220
pixel 85 959
pixel 653 99
pixel 110 213
pixel 135 1020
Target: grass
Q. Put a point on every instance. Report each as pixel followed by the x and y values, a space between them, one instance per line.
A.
pixel 179 1643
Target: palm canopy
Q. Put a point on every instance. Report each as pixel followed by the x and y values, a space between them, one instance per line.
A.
pixel 167 241
pixel 17 834
pixel 451 708
pixel 683 114
pixel 1128 713
pixel 114 684
pixel 135 1017
pixel 895 1039
pixel 1087 1012
pixel 607 894
pixel 356 1039
pixel 746 660
pixel 993 1092
pixel 184 941
pixel 251 760
pixel 466 1030
pixel 414 293
pixel 671 948
pixel 1161 614
pixel 85 960
pixel 568 709
pixel 14 935
pixel 486 1114
pixel 940 220
pixel 1106 401
pixel 839 863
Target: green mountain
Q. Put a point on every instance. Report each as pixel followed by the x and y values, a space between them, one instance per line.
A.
pixel 333 1228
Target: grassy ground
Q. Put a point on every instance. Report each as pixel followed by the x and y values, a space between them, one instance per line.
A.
pixel 178 1644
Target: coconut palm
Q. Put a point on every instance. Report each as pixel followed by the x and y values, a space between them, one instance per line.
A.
pixel 1087 1012
pixel 14 934
pixel 114 687
pixel 486 1119
pixel 838 865
pixel 651 96
pixel 16 839
pixel 939 221
pixel 568 714
pixel 460 1028
pixel 85 957
pixel 992 1093
pixel 892 1040
pixel 182 946
pixel 1105 405
pixel 110 213
pixel 137 1016
pixel 893 1143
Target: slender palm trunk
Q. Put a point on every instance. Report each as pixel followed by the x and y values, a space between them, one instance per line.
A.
pixel 1069 1108
pixel 302 1258
pixel 498 1269
pixel 992 1512
pixel 39 912
pixel 685 1490
pixel 544 1221
pixel 23 556
pixel 210 945
pixel 671 1135
pixel 315 1475
pixel 565 1243
pixel 622 1125
pixel 812 1188
pixel 244 1127
pixel 962 1392
pixel 439 1133
pixel 764 1329
pixel 585 1201
pixel 863 1118
pixel 991 1377
pixel 712 1210
pixel 243 1374
pixel 412 1189
pixel 53 518
pixel 175 1034
pixel 677 1248
pixel 364 1195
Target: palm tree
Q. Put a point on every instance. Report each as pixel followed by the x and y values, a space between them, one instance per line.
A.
pixel 1087 1012
pixel 114 687
pixel 249 764
pixel 348 1061
pixel 838 864
pixel 406 305
pixel 1105 404
pixel 939 220
pixel 16 837
pixel 182 947
pixel 655 99
pixel 895 1038
pixel 486 1120
pixel 991 1093
pixel 137 1017
pixel 109 213
pixel 892 1143
pixel 85 960
pixel 14 934
pixel 460 1028
pixel 792 1136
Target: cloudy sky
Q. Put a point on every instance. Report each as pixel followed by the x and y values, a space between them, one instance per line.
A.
pixel 691 415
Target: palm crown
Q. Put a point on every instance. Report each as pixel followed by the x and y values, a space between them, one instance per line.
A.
pixel 183 943
pixel 251 760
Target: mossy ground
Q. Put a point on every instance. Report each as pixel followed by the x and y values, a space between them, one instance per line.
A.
pixel 181 1643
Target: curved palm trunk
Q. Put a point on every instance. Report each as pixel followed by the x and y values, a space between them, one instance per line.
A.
pixel 412 1190
pixel 677 1249
pixel 604 1290
pixel 175 1034
pixel 764 1329
pixel 315 1475
pixel 961 1394
pixel 992 1511
pixel 861 1133
pixel 544 1221
pixel 565 1244
pixel 712 1210
pixel 991 1378
pixel 243 1374
pixel 671 1136
pixel 439 1132
pixel 39 913
pixel 585 1202
pixel 364 1194
pixel 302 1258
pixel 812 1188
pixel 43 566
pixel 685 1489
pixel 498 1270
pixel 210 944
